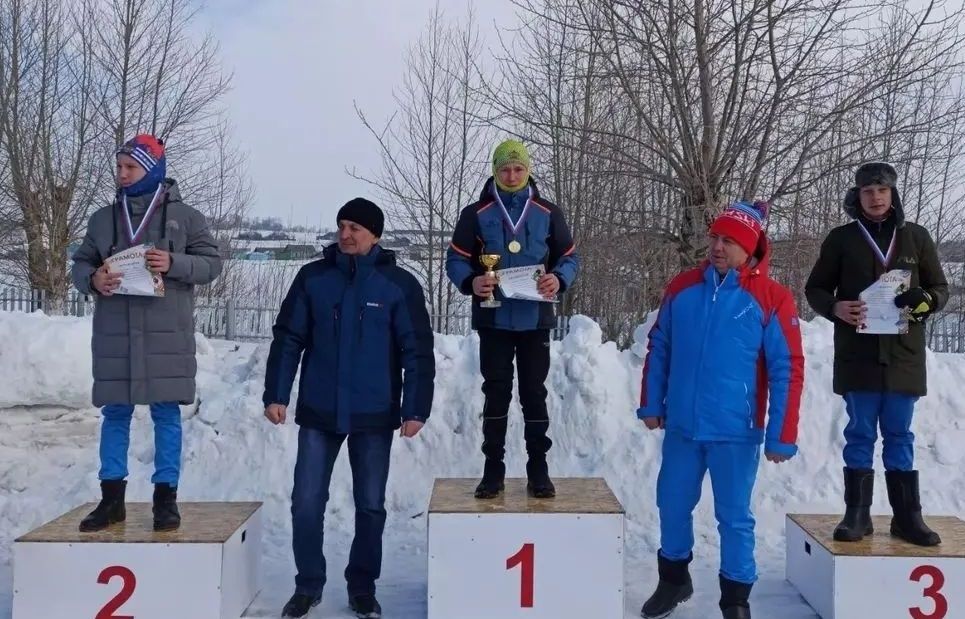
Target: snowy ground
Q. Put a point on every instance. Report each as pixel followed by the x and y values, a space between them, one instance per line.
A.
pixel 48 457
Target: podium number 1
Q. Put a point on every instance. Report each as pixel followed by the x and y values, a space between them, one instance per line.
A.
pixel 127 590
pixel 524 558
pixel 932 592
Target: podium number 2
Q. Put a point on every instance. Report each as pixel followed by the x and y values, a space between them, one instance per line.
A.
pixel 127 590
pixel 932 592
pixel 524 558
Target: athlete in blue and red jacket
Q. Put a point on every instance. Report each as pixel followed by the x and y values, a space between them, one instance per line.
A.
pixel 724 373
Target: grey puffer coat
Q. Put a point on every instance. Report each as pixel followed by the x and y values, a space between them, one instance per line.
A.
pixel 143 347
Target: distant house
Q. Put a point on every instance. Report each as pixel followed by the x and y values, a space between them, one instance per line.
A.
pixel 266 251
pixel 296 252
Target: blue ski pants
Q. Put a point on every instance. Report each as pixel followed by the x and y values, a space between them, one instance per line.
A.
pixel 733 471
pixel 867 410
pixel 116 438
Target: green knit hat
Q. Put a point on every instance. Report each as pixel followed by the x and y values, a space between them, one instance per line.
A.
pixel 510 151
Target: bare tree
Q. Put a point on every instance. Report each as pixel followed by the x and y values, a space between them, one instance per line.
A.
pixel 76 78
pixel 434 148
pixel 48 133
pixel 738 98
pixel 221 189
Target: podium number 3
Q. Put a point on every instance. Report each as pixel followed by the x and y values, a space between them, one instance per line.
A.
pixel 127 590
pixel 524 558
pixel 932 592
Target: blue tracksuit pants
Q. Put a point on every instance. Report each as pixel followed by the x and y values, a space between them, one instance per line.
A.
pixel 116 438
pixel 892 412
pixel 733 471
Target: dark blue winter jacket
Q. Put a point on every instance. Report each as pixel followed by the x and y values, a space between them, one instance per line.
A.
pixel 359 327
pixel 544 239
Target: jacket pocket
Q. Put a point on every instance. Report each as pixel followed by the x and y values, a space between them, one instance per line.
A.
pixel 372 359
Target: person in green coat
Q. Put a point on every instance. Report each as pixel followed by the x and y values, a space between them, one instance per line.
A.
pixel 881 377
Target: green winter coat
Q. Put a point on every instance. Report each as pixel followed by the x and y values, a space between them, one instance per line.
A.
pixel 846 266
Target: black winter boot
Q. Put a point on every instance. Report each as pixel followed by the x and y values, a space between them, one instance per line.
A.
pixel 673 587
pixel 858 493
pixel 493 480
pixel 110 509
pixel 166 515
pixel 734 598
pixel 907 522
pixel 539 484
pixel 300 604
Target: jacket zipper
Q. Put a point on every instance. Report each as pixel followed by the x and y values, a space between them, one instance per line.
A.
pixel 703 342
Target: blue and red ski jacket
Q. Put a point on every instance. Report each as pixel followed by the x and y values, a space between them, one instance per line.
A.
pixel 721 347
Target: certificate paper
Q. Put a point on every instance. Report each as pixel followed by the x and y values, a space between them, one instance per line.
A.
pixel 136 278
pixel 883 317
pixel 521 283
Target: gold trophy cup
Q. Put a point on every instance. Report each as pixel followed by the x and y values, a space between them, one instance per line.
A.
pixel 490 261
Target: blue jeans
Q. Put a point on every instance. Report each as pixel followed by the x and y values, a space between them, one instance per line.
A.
pixel 116 438
pixel 893 412
pixel 733 471
pixel 368 454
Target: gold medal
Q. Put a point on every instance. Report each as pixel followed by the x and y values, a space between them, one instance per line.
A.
pixel 514 246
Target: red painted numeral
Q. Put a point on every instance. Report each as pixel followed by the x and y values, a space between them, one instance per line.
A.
pixel 127 590
pixel 525 557
pixel 932 592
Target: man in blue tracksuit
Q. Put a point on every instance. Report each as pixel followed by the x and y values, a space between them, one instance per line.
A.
pixel 358 325
pixel 512 220
pixel 726 342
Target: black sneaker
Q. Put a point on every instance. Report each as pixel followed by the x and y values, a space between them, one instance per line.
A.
pixel 365 606
pixel 300 604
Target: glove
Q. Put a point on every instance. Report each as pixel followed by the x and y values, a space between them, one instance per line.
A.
pixel 919 301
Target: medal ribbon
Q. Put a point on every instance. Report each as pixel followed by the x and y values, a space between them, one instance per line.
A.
pixel 514 228
pixel 134 236
pixel 885 259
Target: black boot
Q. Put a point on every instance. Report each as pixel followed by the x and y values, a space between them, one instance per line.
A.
pixel 110 509
pixel 300 604
pixel 493 480
pixel 539 484
pixel 907 522
pixel 166 515
pixel 673 588
pixel 734 598
pixel 858 492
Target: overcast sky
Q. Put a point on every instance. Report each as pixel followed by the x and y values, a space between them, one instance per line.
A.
pixel 298 66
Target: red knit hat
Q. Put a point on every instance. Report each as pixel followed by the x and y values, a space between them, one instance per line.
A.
pixel 144 148
pixel 743 222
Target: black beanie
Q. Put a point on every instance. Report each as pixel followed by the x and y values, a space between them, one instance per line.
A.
pixel 876 173
pixel 363 212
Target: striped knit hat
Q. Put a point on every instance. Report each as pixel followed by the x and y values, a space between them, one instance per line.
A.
pixel 148 151
pixel 742 221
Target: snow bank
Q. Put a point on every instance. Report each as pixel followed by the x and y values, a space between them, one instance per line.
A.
pixel 48 455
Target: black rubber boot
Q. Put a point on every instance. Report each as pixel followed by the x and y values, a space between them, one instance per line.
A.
pixel 673 587
pixel 907 523
pixel 166 515
pixel 859 487
pixel 110 509
pixel 734 598
pixel 539 484
pixel 493 479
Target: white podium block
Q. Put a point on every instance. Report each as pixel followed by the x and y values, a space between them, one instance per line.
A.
pixel 515 556
pixel 207 569
pixel 881 576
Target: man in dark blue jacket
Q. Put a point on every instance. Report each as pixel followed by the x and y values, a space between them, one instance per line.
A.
pixel 358 325
pixel 512 220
